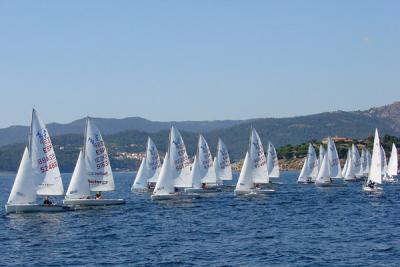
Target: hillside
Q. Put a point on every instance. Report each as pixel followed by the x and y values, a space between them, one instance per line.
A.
pixel 281 131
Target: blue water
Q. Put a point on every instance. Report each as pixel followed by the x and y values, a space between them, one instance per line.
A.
pixel 298 225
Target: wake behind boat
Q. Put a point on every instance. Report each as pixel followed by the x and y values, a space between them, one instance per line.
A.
pixel 38 174
pixel 92 172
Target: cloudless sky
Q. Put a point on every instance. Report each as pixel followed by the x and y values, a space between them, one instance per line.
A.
pixel 195 60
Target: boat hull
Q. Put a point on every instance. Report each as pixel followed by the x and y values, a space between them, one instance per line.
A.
pixel 329 185
pixel 173 196
pixel 252 192
pixel 201 190
pixel 26 208
pixel 372 190
pixel 307 182
pixel 93 202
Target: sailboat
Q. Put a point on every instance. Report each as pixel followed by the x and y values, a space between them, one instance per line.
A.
pixel 330 167
pixel 149 169
pixel 352 171
pixel 272 162
pixel 384 164
pixel 333 160
pixel 38 173
pixel 309 171
pixel 222 163
pixel 254 171
pixel 375 173
pixel 175 171
pixel 392 168
pixel 203 170
pixel 324 178
pixel 92 172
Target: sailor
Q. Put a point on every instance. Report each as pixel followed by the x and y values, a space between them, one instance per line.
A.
pixel 371 184
pixel 98 195
pixel 47 201
pixel 203 185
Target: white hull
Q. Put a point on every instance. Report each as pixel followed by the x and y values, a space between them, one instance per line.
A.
pixel 307 182
pixel 93 202
pixel 173 196
pixel 25 208
pixel 390 179
pixel 253 192
pixel 201 190
pixel 350 179
pixel 372 190
pixel 329 184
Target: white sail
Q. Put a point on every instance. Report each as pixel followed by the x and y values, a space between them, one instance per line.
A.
pixel 383 161
pixel 25 183
pixel 356 161
pixel 179 159
pixel 369 159
pixel 153 162
pixel 346 164
pixel 323 174
pixel 245 181
pixel 97 163
pixel 222 164
pixel 333 159
pixel 196 174
pixel 79 185
pixel 44 161
pixel 322 153
pixel 272 162
pixel 141 179
pixel 312 162
pixel 364 169
pixel 149 168
pixel 393 162
pixel 257 159
pixel 303 177
pixel 206 164
pixel 165 181
pixel 351 169
pixel 375 174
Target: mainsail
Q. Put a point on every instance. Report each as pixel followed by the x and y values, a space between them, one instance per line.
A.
pixel 375 174
pixel 100 176
pixel 222 164
pixel 393 163
pixel 257 159
pixel 272 162
pixel 333 160
pixel 44 161
pixel 179 159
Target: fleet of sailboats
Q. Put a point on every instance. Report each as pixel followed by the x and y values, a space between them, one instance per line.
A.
pixel 177 176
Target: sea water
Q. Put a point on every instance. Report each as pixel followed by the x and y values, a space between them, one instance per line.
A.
pixel 298 225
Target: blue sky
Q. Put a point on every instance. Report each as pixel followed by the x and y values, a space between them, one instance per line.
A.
pixel 195 60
